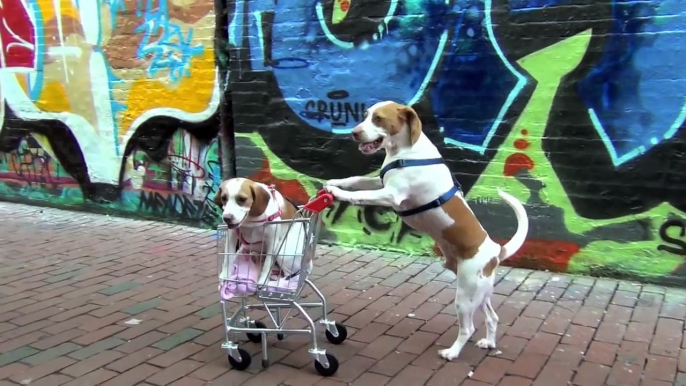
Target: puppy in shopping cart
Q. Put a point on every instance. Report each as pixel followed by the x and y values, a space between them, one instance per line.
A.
pixel 260 238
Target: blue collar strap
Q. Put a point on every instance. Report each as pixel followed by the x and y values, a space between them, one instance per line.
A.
pixel 433 204
pixel 406 163
pixel 402 163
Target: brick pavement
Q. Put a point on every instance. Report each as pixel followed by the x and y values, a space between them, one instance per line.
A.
pixel 69 282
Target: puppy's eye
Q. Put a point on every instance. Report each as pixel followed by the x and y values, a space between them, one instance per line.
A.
pixel 377 119
pixel 224 199
pixel 240 200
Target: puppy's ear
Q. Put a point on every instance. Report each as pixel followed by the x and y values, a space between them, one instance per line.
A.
pixel 413 123
pixel 218 197
pixel 260 200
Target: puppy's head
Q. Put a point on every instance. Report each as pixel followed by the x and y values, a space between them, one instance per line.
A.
pixel 241 198
pixel 387 124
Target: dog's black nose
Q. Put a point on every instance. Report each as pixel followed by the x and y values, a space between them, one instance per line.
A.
pixel 228 218
pixel 357 133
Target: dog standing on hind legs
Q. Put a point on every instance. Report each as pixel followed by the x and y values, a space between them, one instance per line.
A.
pixel 420 188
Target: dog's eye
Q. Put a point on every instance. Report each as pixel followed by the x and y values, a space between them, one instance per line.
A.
pixel 377 119
pixel 224 198
pixel 240 200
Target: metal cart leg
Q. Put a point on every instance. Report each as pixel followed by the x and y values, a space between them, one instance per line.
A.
pixel 329 324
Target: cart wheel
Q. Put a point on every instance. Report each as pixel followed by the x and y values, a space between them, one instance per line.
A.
pixel 342 334
pixel 244 363
pixel 279 336
pixel 256 338
pixel 331 370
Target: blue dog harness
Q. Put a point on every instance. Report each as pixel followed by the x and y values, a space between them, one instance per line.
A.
pixel 406 163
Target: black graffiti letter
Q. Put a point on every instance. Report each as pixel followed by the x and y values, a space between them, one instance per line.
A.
pixel 681 244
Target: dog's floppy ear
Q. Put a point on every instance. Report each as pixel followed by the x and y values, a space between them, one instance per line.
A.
pixel 413 123
pixel 218 197
pixel 260 200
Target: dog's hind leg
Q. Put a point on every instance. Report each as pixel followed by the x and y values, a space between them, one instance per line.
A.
pixel 491 324
pixel 464 307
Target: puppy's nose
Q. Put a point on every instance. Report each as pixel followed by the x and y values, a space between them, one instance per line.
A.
pixel 357 133
pixel 228 218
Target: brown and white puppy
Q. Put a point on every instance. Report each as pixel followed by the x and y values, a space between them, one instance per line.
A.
pixel 247 208
pixel 469 252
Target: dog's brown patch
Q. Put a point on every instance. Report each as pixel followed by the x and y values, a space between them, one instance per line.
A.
pixel 388 118
pixel 289 210
pixel 492 264
pixel 392 117
pixel 218 196
pixel 254 196
pixel 413 122
pixel 466 234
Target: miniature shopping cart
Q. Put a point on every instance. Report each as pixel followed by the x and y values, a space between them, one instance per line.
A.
pixel 281 293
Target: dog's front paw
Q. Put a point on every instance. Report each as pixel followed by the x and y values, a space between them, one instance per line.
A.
pixel 485 344
pixel 338 193
pixel 333 183
pixel 448 354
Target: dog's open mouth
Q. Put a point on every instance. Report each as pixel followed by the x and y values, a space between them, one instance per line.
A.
pixel 232 226
pixel 371 147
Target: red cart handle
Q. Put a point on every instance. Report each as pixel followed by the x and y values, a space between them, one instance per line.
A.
pixel 324 200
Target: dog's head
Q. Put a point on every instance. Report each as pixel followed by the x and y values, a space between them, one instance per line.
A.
pixel 241 198
pixel 387 124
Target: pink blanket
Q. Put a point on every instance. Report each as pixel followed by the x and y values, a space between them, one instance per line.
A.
pixel 243 277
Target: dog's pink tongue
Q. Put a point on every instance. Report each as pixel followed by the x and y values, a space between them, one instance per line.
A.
pixel 366 147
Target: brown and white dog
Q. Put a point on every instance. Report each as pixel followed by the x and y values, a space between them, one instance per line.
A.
pixel 428 199
pixel 246 207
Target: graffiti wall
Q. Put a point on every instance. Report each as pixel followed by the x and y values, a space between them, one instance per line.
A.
pixel 576 107
pixel 110 105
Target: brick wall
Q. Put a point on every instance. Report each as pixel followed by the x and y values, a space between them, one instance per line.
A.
pixel 576 107
pixel 115 108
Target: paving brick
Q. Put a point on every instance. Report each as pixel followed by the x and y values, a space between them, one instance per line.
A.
pixel 370 332
pixel 17 355
pixel 381 346
pixel 211 370
pixel 175 355
pixel 411 375
pixel 142 306
pixel 393 363
pixel 44 369
pixel 177 339
pixel 134 359
pixel 661 368
pixel 133 376
pixel 96 377
pixel 371 379
pixel 44 356
pixel 173 373
pixel 52 380
pixel 491 370
pixel 95 348
pixel 119 288
pixel 601 352
pixel 591 374
pixel 93 363
pixel 624 374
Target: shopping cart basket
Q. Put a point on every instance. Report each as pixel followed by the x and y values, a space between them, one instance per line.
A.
pixel 238 273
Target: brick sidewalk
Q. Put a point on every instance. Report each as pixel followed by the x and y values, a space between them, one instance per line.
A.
pixel 69 282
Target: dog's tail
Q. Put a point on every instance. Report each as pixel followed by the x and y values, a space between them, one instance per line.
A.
pixel 519 237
